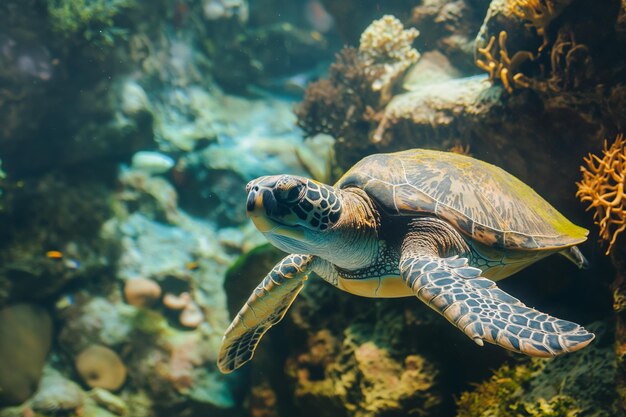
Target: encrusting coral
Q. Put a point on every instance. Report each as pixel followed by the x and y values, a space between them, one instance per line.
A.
pixel 141 292
pixel 499 65
pixel 101 367
pixel 191 316
pixel 602 187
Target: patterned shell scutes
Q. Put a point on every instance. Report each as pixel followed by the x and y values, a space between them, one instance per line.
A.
pixel 481 200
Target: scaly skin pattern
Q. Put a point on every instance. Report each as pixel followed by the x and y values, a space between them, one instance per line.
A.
pixel 484 312
pixel 320 206
pixel 473 303
pixel 266 306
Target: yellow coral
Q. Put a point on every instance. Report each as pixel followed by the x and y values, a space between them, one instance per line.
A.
pixel 387 51
pixel 539 14
pixel 505 67
pixel 602 187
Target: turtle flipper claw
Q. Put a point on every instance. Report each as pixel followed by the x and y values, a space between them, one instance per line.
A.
pixel 486 313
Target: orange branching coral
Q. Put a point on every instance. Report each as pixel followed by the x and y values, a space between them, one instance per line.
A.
pixel 460 149
pixel 539 14
pixel 504 68
pixel 603 188
pixel 571 63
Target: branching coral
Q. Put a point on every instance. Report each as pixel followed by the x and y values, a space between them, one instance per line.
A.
pixel 505 68
pixel 570 62
pixel 460 149
pixel 602 187
pixel 539 14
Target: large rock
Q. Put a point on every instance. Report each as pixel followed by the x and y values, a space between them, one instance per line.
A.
pixel 470 111
pixel 25 338
pixel 449 27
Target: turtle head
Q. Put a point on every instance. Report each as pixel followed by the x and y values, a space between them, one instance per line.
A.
pixel 289 208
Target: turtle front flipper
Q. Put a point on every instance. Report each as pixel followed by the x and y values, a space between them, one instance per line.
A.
pixel 266 306
pixel 474 304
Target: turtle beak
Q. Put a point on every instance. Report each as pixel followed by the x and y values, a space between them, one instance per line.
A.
pixel 255 208
pixel 260 205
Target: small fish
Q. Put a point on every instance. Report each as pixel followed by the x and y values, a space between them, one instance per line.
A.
pixel 54 254
pixel 317 16
pixel 72 264
pixel 65 301
pixel 192 266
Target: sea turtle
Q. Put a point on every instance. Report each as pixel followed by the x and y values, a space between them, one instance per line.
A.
pixel 437 225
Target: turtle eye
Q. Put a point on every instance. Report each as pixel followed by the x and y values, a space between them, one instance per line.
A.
pixel 291 195
pixel 295 193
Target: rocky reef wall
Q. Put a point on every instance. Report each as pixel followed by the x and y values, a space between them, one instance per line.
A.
pixel 128 131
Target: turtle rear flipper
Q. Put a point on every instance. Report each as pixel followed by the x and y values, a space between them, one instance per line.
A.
pixel 478 307
pixel 574 255
pixel 266 306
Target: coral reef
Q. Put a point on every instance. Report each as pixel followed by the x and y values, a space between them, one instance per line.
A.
pixel 359 377
pixel 124 170
pixel 568 58
pixel 337 106
pixel 500 396
pixel 554 77
pixel 602 187
pixel 263 402
pixel 360 82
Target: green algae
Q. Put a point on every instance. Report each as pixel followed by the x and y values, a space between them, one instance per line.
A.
pixel 580 384
pixel 502 395
pixel 94 20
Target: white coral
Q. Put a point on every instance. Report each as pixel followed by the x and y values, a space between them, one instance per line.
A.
pixel 386 48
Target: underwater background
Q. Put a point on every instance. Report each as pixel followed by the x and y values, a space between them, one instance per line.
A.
pixel 129 129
